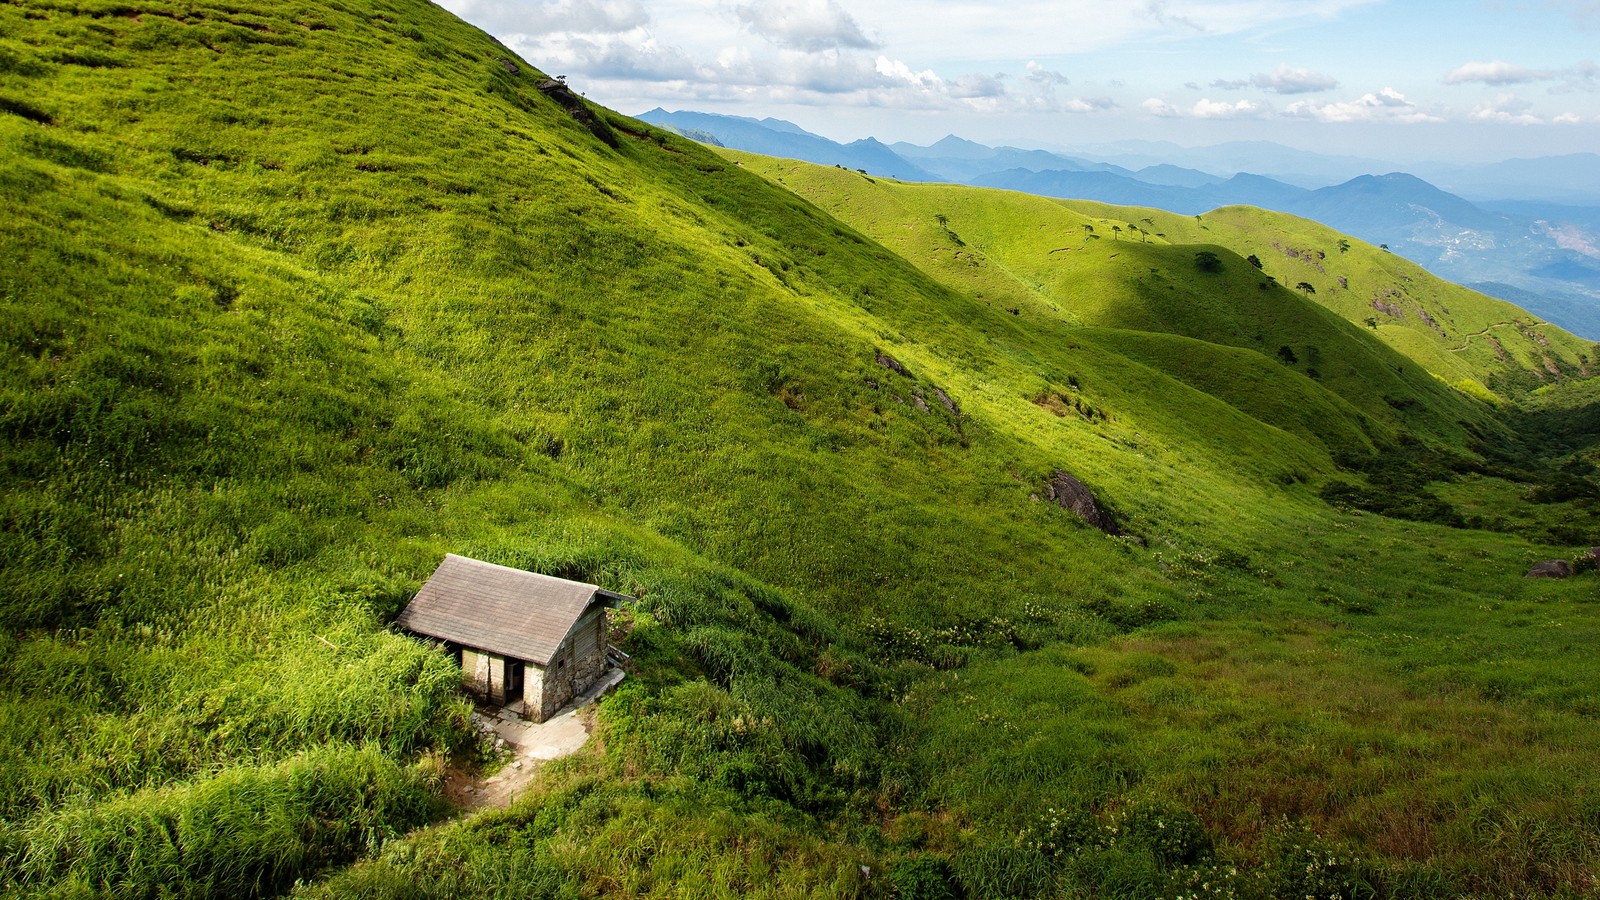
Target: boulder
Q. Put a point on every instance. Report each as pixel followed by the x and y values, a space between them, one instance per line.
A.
pixel 892 364
pixel 1554 568
pixel 1068 492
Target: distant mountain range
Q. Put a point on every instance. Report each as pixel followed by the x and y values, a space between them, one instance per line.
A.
pixel 1516 242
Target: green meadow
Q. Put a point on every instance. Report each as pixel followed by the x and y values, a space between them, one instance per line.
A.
pixel 296 298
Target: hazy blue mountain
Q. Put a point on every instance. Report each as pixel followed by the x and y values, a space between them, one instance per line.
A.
pixel 1298 167
pixel 776 137
pixel 1571 179
pixel 958 159
pixel 1392 203
pixel 1555 214
pixel 1007 158
pixel 1109 187
pixel 1253 190
pixel 1177 176
pixel 947 147
pixel 784 125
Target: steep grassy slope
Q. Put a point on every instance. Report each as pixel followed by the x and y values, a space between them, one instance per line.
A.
pixel 297 298
pixel 1014 248
pixel 1456 333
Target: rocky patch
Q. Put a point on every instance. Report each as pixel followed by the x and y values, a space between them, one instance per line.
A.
pixel 1069 493
pixel 1554 568
pixel 580 111
pixel 892 364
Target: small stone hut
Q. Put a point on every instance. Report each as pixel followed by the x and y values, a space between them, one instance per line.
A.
pixel 524 640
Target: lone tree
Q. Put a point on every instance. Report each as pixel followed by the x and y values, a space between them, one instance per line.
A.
pixel 1305 286
pixel 1206 261
pixel 1253 260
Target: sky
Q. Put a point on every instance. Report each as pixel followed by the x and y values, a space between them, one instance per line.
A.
pixel 1464 81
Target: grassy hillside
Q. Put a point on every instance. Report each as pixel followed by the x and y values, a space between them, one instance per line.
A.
pixel 1085 263
pixel 298 298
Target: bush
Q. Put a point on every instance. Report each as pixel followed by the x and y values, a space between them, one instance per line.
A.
pixel 1171 832
pixel 1300 863
pixel 922 878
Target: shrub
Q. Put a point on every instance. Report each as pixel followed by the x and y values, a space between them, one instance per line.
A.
pixel 1171 832
pixel 922 878
pixel 1300 863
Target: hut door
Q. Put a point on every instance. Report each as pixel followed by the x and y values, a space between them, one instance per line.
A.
pixel 513 680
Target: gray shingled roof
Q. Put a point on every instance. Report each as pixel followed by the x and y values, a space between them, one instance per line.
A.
pixel 507 611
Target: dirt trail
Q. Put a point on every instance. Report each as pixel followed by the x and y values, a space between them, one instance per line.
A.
pixel 1466 340
pixel 530 745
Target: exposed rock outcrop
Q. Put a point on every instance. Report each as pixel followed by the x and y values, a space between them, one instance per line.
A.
pixel 892 364
pixel 559 92
pixel 1554 568
pixel 1068 492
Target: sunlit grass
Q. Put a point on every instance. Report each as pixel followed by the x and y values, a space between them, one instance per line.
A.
pixel 296 299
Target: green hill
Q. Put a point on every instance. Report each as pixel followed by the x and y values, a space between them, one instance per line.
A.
pixel 1084 263
pixel 298 298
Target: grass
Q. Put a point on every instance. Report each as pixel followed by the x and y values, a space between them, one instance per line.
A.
pixel 297 298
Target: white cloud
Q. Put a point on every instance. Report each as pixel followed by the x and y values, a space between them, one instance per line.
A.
pixel 632 55
pixel 1205 108
pixel 896 70
pixel 1496 73
pixel 1045 78
pixel 541 16
pixel 1071 105
pixel 809 25
pixel 1584 76
pixel 1509 108
pixel 1387 105
pixel 1037 29
pixel 1155 106
pixel 973 87
pixel 1568 118
pixel 1282 80
pixel 1287 80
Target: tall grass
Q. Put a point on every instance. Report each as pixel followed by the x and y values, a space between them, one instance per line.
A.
pixel 243 832
pixel 296 299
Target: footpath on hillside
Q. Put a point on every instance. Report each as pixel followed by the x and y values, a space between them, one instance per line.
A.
pixel 530 745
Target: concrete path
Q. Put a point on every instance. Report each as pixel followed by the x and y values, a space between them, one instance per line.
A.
pixel 530 744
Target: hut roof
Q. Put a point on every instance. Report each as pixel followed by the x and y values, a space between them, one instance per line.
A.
pixel 503 610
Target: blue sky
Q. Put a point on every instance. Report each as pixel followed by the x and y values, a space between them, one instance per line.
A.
pixel 1465 81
